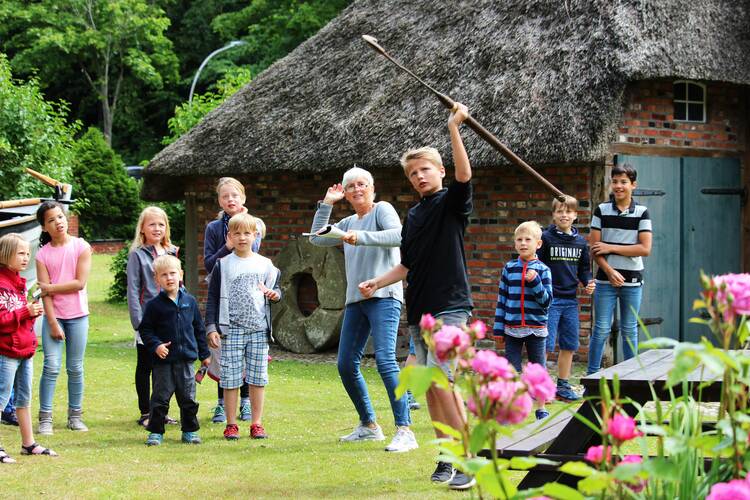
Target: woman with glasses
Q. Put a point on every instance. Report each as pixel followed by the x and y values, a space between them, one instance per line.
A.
pixel 371 247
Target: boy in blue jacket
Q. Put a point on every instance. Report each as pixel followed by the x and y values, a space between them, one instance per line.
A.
pixel 566 253
pixel 525 292
pixel 172 330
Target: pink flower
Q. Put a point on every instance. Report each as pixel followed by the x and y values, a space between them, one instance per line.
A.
pixel 631 459
pixel 516 411
pixel 427 322
pixel 488 364
pixel 736 489
pixel 499 391
pixel 538 382
pixel 734 287
pixel 479 329
pixel 622 428
pixel 449 341
pixel 595 454
pixel 471 405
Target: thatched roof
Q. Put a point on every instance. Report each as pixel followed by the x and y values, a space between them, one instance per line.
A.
pixel 546 76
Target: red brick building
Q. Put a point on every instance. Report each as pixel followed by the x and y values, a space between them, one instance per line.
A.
pixel 661 84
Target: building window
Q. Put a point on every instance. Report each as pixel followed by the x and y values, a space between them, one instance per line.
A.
pixel 689 101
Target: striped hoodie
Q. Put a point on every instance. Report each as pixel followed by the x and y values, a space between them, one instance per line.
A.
pixel 520 303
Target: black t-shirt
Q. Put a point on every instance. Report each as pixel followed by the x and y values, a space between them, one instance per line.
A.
pixel 432 248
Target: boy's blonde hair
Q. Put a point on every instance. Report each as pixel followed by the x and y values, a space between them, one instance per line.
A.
pixel 531 227
pixel 260 227
pixel 164 262
pixel 140 239
pixel 229 181
pixel 568 202
pixel 426 153
pixel 242 221
pixel 9 246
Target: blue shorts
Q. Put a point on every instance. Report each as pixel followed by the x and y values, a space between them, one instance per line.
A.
pixel 16 374
pixel 563 325
pixel 243 350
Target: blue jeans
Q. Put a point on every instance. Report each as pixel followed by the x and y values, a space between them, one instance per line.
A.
pixel 562 325
pixel 10 408
pixel 379 317
pixel 606 297
pixel 534 349
pixel 76 333
pixel 15 377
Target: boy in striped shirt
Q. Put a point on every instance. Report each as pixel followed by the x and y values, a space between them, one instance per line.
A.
pixel 620 237
pixel 525 293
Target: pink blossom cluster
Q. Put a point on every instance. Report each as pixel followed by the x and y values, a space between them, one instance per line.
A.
pixel 736 489
pixel 734 291
pixel 451 341
pixel 622 428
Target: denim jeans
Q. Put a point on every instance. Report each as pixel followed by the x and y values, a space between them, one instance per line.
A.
pixel 10 407
pixel 535 349
pixel 76 333
pixel 379 317
pixel 15 378
pixel 606 297
pixel 562 325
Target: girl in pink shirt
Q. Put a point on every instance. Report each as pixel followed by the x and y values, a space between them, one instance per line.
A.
pixel 62 267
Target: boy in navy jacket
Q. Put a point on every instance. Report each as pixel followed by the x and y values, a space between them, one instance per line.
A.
pixel 566 253
pixel 172 330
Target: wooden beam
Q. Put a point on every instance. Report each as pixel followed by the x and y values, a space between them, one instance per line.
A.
pixel 191 243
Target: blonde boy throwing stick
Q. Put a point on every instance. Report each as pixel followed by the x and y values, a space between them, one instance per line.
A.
pixel 434 265
pixel 238 317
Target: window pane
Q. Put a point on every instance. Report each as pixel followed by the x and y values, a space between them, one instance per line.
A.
pixel 679 111
pixel 679 91
pixel 695 112
pixel 695 92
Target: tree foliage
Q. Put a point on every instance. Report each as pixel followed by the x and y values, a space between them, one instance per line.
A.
pixel 112 204
pixel 33 134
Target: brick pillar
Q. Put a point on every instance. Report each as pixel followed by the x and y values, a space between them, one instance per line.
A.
pixel 73 224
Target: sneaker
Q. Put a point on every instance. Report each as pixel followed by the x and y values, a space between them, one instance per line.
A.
pixel 219 415
pixel 413 404
pixel 565 392
pixel 170 421
pixel 462 481
pixel 191 438
pixel 143 421
pixel 444 473
pixel 232 432
pixel 540 414
pixel 9 418
pixel 364 433
pixel 404 440
pixel 154 439
pixel 246 412
pixel 258 432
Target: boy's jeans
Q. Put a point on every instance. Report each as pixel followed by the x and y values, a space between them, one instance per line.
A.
pixel 76 333
pixel 378 317
pixel 606 297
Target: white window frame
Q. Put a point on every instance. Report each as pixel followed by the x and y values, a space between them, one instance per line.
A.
pixel 687 101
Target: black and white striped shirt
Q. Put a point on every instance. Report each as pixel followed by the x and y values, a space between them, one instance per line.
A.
pixel 621 228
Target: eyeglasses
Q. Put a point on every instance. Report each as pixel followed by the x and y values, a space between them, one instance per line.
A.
pixel 357 185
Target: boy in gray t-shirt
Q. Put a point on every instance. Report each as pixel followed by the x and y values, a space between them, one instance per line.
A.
pixel 238 317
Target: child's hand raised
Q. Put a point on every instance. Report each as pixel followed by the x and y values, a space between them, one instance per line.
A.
pixel 458 114
pixel 163 350
pixel 530 275
pixel 335 193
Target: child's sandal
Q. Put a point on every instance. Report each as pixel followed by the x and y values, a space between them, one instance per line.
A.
pixel 5 458
pixel 37 449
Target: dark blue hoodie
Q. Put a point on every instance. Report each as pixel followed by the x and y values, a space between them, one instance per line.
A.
pixel 567 256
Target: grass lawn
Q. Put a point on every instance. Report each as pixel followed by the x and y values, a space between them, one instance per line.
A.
pixel 306 410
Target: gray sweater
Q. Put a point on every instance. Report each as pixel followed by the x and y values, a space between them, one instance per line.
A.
pixel 376 251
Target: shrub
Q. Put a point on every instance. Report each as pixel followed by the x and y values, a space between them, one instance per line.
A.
pixel 118 290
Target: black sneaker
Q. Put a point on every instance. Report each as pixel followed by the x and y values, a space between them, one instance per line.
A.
pixel 461 481
pixel 444 473
pixel 9 418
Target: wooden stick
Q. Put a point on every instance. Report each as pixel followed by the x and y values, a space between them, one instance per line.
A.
pixel 47 180
pixel 20 203
pixel 472 124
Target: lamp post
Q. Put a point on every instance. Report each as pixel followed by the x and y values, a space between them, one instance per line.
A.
pixel 232 44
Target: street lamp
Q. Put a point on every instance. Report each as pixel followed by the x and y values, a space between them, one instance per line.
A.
pixel 233 43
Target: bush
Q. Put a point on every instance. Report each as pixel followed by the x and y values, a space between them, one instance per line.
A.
pixel 111 204
pixel 118 290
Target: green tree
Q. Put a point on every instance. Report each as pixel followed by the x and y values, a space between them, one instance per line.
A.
pixel 111 45
pixel 33 134
pixel 111 197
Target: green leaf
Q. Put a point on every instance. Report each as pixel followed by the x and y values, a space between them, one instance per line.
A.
pixel 625 472
pixel 699 304
pixel 658 343
pixel 418 379
pixel 525 463
pixel 580 469
pixel 561 492
pixel 489 482
pixel 447 429
pixel 594 484
pixel 662 469
pixel 473 465
pixel 478 438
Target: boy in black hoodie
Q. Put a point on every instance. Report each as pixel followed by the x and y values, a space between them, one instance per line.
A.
pixel 172 331
pixel 566 253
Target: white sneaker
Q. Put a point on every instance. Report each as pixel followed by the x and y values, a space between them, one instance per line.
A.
pixel 364 433
pixel 404 440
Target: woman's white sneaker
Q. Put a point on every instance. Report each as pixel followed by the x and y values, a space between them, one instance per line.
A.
pixel 364 433
pixel 404 440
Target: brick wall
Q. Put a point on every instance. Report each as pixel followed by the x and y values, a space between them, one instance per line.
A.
pixel 649 118
pixel 503 197
pixel 109 247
